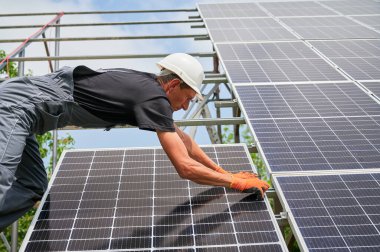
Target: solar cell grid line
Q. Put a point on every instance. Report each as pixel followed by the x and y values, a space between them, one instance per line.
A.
pixel 306 8
pixel 316 144
pixel 230 10
pixel 338 211
pixel 337 27
pixel 370 20
pixel 360 59
pixel 282 62
pixel 353 7
pixel 263 101
pixel 150 211
pixel 246 29
pixel 373 87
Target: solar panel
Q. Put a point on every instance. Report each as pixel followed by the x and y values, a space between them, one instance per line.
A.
pixel 225 10
pixel 246 29
pixel 373 21
pixel 329 28
pixel 305 100
pixel 358 58
pixel 296 9
pixel 374 87
pixel 359 7
pixel 307 127
pixel 333 212
pixel 133 200
pixel 274 62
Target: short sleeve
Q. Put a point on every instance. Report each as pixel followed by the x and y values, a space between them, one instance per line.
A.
pixel 154 114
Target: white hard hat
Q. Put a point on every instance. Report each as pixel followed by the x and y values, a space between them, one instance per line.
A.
pixel 187 68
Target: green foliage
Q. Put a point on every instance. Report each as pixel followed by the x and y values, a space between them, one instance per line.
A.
pixel 12 66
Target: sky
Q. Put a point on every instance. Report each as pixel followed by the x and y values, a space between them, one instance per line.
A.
pixel 116 137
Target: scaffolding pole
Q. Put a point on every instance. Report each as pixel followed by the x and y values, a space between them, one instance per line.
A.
pixel 118 56
pixel 195 36
pixel 107 24
pixel 96 12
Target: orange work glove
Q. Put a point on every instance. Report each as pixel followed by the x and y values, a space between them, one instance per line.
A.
pixel 245 175
pixel 252 185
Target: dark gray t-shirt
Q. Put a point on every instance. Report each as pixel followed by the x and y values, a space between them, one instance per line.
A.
pixel 124 96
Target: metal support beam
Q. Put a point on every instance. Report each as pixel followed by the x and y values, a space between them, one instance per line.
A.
pixel 93 57
pixel 28 41
pixel 195 36
pixel 225 104
pixel 211 130
pixel 14 236
pixel 5 241
pixel 185 122
pixel 106 24
pixel 95 12
pixel 48 53
pixel 198 26
pixel 56 67
pixel 215 80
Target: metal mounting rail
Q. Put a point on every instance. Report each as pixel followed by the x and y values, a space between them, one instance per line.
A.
pixel 118 56
pixel 196 36
pixel 106 24
pixel 187 122
pixel 95 12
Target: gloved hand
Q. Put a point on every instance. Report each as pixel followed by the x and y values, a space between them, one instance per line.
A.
pixel 252 185
pixel 245 175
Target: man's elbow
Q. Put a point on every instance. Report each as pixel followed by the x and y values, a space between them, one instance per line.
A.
pixel 185 172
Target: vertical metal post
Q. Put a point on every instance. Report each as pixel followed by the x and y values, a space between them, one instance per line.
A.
pixel 56 66
pixel 14 232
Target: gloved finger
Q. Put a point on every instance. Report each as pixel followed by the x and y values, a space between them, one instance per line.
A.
pixel 255 191
pixel 249 174
pixel 245 175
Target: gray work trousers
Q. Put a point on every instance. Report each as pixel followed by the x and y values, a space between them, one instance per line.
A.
pixel 29 106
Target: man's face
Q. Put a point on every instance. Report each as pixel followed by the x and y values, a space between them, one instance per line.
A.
pixel 179 98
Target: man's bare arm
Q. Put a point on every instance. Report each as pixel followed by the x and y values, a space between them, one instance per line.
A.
pixel 196 153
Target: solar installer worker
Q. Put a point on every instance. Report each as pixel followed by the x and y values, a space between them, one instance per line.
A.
pixel 104 98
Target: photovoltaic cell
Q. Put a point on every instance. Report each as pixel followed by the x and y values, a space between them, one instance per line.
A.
pixel 274 62
pixel 296 9
pixel 329 28
pixel 333 212
pixel 230 10
pixel 374 87
pixel 358 7
pixel 133 200
pixel 307 127
pixel 246 29
pixel 373 21
pixel 316 144
pixel 305 100
pixel 358 58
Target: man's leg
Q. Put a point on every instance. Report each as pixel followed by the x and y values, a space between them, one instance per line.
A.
pixel 29 186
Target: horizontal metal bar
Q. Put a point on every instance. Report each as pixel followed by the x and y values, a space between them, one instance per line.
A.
pixel 92 57
pixel 95 12
pixel 194 17
pixel 198 26
pixel 106 24
pixel 202 36
pixel 225 104
pixel 186 122
pixel 215 80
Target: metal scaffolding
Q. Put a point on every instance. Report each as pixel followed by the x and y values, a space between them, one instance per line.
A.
pixel 191 117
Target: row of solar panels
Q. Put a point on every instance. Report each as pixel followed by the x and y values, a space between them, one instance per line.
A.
pixel 307 78
pixel 132 199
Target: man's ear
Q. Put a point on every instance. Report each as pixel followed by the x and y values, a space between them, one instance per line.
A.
pixel 172 84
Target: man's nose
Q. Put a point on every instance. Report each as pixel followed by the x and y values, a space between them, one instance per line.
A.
pixel 185 106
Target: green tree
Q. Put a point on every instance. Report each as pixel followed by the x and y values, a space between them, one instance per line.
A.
pixel 45 142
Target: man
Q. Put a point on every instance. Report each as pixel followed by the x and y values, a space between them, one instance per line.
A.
pixel 83 97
